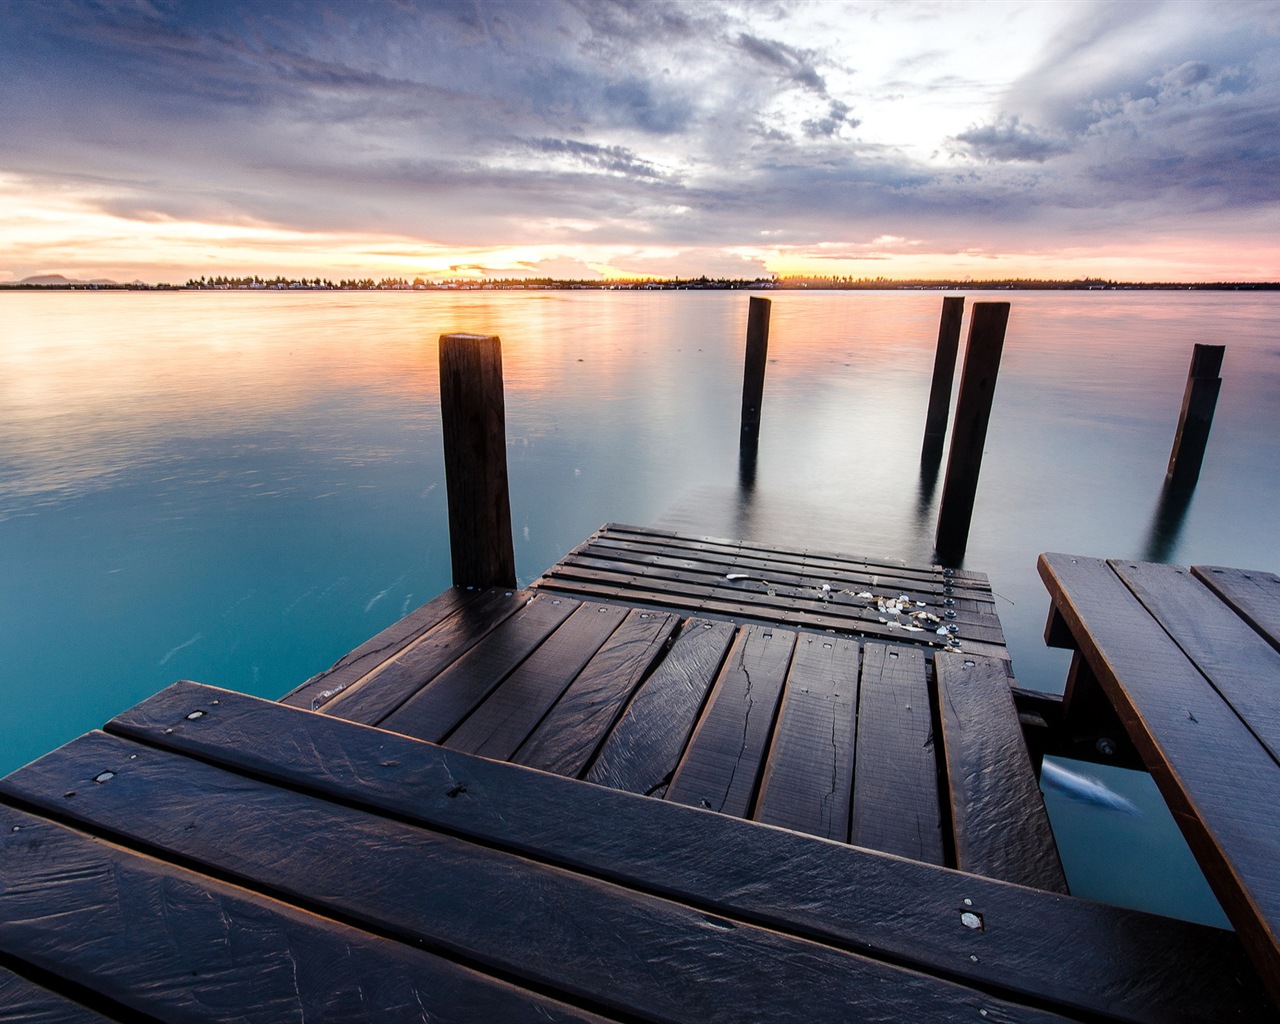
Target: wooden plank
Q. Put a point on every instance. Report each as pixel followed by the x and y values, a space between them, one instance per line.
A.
pixel 1253 593
pixel 802 555
pixel 353 667
pixel 386 687
pixel 646 558
pixel 745 613
pixel 808 778
pixel 1117 963
pixel 1240 664
pixel 1220 783
pixel 780 606
pixel 571 936
pixel 895 775
pixel 568 737
pixel 998 817
pixel 499 725
pixel 24 1002
pixel 729 582
pixel 436 709
pixel 721 764
pixel 641 752
pixel 178 946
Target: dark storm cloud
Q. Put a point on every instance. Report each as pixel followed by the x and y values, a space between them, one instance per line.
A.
pixel 483 122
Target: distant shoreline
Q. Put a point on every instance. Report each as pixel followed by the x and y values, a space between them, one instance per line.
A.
pixel 671 284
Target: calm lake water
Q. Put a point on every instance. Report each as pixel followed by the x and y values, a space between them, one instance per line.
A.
pixel 238 488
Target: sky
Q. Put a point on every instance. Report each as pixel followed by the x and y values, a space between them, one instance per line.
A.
pixel 159 140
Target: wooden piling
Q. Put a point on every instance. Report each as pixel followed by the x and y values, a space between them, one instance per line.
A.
pixel 944 369
pixel 475 460
pixel 753 370
pixel 1198 403
pixel 973 413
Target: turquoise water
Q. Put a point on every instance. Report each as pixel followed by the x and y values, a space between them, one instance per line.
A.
pixel 238 488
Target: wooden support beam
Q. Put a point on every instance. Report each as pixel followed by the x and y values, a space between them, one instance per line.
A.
pixel 944 371
pixel 475 460
pixel 753 369
pixel 973 413
pixel 1198 403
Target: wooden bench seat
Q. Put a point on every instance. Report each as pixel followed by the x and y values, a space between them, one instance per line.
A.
pixel 213 852
pixel 1196 686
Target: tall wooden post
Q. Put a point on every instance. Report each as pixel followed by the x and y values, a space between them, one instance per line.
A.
pixel 475 460
pixel 1198 403
pixel 753 370
pixel 973 413
pixel 944 371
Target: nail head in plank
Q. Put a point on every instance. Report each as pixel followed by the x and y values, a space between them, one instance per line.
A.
pixel 1110 961
pixel 998 816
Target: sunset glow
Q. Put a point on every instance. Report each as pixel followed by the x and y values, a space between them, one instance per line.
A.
pixel 594 140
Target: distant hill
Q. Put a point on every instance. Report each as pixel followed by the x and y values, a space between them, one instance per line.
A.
pixel 54 280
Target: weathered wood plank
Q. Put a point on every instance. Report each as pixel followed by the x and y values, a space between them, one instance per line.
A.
pixel 775 591
pixel 178 946
pixel 895 775
pixel 926 579
pixel 998 817
pixel 353 667
pixel 25 1002
pixel 1110 961
pixel 641 752
pixel 562 932
pixel 436 709
pixel 808 610
pixel 808 778
pixel 499 725
pixel 1240 664
pixel 385 688
pixel 568 737
pixel 1220 783
pixel 722 761
pixel 802 555
pixel 1253 593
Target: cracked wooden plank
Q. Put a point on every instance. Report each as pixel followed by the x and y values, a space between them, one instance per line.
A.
pixel 721 764
pixel 808 783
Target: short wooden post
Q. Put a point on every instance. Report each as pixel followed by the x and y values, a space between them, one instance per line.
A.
pixel 1198 403
pixel 753 371
pixel 944 370
pixel 973 413
pixel 475 460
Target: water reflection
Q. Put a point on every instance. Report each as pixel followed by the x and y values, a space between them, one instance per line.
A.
pixel 1168 520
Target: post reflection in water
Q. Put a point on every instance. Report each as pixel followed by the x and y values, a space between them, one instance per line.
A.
pixel 1167 520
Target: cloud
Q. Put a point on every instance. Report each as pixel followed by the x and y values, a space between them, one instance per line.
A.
pixel 794 65
pixel 1008 139
pixel 648 123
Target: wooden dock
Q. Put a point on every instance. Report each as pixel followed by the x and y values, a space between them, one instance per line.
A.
pixel 678 779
